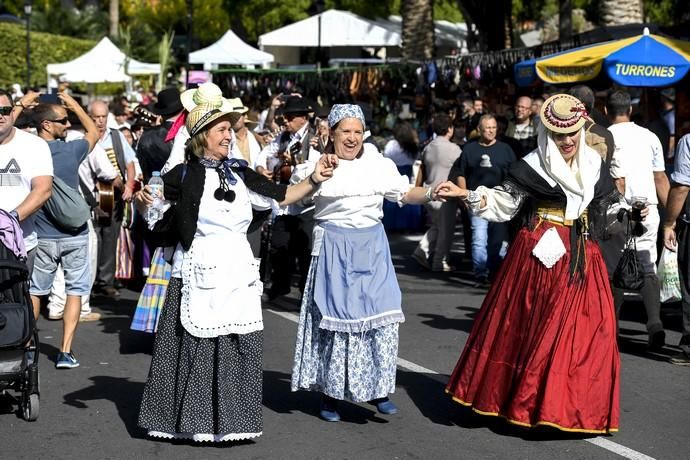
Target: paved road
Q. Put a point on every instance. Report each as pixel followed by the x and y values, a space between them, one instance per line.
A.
pixel 90 412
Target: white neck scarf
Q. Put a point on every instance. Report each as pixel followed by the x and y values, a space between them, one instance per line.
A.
pixel 578 181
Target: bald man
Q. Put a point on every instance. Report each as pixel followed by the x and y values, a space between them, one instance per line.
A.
pixel 522 128
pixel 123 159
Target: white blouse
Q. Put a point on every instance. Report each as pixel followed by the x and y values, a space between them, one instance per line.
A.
pixel 353 197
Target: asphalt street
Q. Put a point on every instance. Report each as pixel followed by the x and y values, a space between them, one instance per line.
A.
pixel 90 412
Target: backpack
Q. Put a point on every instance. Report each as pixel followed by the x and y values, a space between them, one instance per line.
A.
pixel 66 207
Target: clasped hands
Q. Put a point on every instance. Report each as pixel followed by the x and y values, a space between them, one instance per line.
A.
pixel 324 167
pixel 447 189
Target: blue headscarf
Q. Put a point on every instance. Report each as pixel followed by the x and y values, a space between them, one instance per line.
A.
pixel 341 111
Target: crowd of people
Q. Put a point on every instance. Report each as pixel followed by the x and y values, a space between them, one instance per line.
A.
pixel 207 198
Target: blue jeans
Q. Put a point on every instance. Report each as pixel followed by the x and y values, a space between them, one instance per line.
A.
pixel 489 246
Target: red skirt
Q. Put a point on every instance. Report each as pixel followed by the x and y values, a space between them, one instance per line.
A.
pixel 543 350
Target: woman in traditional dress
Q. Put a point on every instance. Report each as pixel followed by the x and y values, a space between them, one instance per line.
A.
pixel 347 338
pixel 543 349
pixel 205 381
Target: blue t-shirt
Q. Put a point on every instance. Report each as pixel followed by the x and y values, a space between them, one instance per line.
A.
pixel 481 165
pixel 67 156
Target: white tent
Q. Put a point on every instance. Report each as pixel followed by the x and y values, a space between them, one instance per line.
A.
pixel 102 63
pixel 338 28
pixel 344 33
pixel 230 49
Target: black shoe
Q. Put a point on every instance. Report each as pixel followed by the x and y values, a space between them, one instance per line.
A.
pixel 109 291
pixel 275 293
pixel 481 282
pixel 657 340
pixel 681 359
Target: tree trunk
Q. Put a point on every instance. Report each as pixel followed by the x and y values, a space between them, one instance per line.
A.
pixel 417 29
pixel 489 18
pixel 114 18
pixel 565 19
pixel 619 12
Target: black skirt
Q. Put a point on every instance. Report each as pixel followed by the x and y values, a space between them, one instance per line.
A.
pixel 205 389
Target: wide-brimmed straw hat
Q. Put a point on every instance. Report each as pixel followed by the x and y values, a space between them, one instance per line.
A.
pixel 205 93
pixel 237 105
pixel 563 113
pixel 203 115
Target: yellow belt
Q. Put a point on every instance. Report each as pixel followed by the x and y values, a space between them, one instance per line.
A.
pixel 557 216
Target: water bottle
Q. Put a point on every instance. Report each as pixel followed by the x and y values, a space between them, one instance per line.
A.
pixel 154 212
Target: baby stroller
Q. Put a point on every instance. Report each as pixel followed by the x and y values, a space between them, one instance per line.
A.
pixel 18 363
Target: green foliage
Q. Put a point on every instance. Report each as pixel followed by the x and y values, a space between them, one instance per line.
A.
pixel 664 12
pixel 89 23
pixel 45 49
pixel 164 57
pixel 261 16
pixel 447 10
pixel 211 19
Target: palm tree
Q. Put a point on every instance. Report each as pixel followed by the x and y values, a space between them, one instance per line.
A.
pixel 618 12
pixel 114 18
pixel 417 29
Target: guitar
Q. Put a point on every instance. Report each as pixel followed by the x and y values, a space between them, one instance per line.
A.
pixel 291 158
pixel 106 202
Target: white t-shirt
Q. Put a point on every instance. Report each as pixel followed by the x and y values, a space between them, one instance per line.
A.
pixel 24 157
pixel 638 155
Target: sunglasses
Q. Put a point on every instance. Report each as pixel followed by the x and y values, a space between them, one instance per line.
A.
pixel 62 121
pixel 6 110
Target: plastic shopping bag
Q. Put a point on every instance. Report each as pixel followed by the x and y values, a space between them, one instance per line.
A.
pixel 668 276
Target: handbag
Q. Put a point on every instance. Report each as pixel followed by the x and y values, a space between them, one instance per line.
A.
pixel 628 272
pixel 66 207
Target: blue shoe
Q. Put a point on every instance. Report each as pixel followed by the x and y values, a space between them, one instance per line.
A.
pixel 329 409
pixel 385 406
pixel 66 360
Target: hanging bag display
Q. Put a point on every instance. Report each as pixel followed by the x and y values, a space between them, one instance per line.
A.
pixel 628 273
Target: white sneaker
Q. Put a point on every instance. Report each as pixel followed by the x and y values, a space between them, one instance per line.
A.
pixel 55 315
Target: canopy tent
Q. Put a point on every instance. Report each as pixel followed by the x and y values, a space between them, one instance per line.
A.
pixel 338 28
pixel 102 63
pixel 644 60
pixel 229 49
pixel 345 34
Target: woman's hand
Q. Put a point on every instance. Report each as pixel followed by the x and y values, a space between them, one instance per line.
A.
pixel 144 197
pixel 447 189
pixel 324 168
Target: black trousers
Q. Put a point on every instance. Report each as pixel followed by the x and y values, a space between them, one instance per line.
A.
pixel 290 250
pixel 107 247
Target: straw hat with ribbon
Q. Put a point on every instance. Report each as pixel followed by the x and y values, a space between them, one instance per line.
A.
pixel 563 113
pixel 203 115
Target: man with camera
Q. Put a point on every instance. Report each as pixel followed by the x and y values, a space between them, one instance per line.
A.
pixel 293 225
pixel 637 167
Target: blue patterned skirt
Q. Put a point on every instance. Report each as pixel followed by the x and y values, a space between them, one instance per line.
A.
pixel 349 366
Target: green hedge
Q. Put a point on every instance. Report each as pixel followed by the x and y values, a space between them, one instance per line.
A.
pixel 45 49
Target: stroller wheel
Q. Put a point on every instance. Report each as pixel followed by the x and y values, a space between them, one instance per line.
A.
pixel 30 407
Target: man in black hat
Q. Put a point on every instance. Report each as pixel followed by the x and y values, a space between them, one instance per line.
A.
pixel 152 151
pixel 291 231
